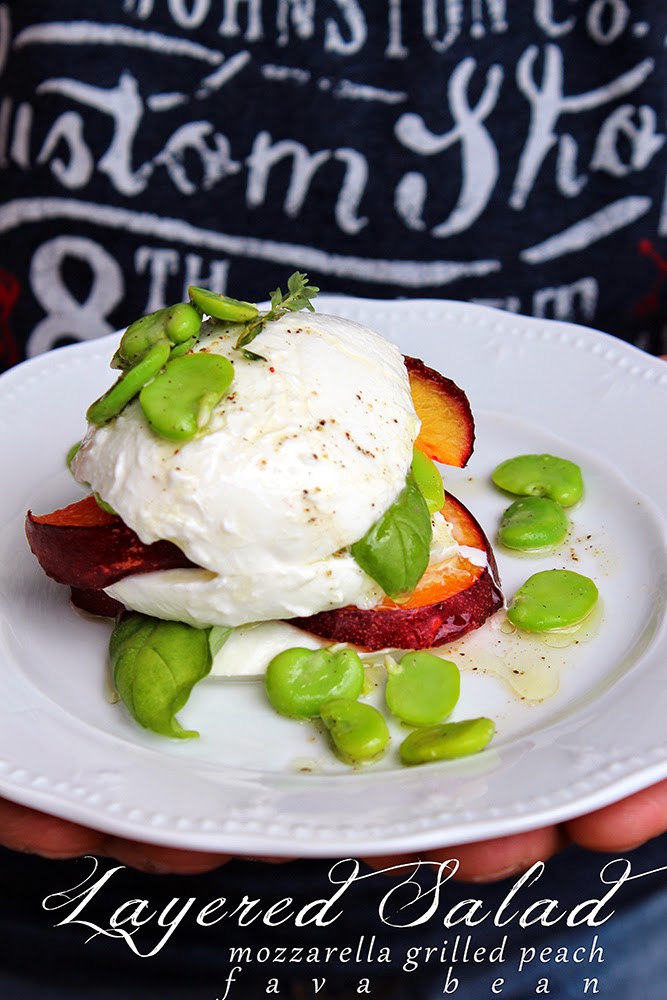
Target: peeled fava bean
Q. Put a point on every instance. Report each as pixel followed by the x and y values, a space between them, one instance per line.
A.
pixel 533 523
pixel 139 337
pixel 428 480
pixel 72 452
pixel 128 385
pixel 358 731
pixel 222 307
pixel 447 741
pixel 553 599
pixel 182 323
pixel 559 479
pixel 299 681
pixel 422 688
pixel 175 325
pixel 178 403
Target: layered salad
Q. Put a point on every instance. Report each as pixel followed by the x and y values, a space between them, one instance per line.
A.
pixel 255 466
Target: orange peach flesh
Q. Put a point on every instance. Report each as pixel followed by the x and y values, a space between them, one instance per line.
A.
pixel 447 433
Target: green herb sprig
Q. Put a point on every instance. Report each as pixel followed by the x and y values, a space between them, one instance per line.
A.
pixel 299 295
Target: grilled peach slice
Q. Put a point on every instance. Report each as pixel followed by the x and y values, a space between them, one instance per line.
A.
pixel 447 433
pixel 449 601
pixel 87 548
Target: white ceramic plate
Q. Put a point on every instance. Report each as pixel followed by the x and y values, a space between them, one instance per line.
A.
pixel 256 783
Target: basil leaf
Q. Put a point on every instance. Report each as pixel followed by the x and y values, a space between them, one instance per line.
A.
pixel 155 664
pixel 395 552
pixel 217 637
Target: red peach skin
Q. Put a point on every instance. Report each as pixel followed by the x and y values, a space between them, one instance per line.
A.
pixel 87 548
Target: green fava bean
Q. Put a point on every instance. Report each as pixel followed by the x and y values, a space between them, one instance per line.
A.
pixel 182 322
pixel 179 402
pixel 222 306
pixel 155 664
pixel 129 385
pixel 552 599
pixel 139 337
pixel 358 731
pixel 103 505
pixel 533 523
pixel 178 350
pixel 299 681
pixel 447 741
pixel 429 481
pixel 396 550
pixel 422 688
pixel 541 476
pixel 71 454
pixel 176 324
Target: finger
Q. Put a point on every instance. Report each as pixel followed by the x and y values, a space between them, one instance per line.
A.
pixel 489 860
pixel 393 864
pixel 625 824
pixel 492 860
pixel 161 860
pixel 265 859
pixel 29 831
